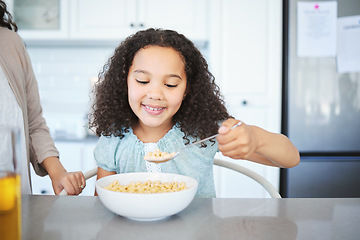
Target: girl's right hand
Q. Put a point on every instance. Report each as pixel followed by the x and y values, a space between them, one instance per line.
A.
pixel 237 143
pixel 256 144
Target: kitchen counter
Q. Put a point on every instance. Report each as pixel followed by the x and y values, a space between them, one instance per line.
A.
pixel 76 217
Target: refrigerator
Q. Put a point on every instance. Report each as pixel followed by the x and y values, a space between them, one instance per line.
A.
pixel 321 97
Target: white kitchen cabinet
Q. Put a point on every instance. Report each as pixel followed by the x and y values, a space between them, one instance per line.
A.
pixel 245 47
pixel 110 19
pixel 41 19
pixel 74 156
pixel 117 19
pixel 106 19
pixel 88 163
pixel 188 17
pixel 246 58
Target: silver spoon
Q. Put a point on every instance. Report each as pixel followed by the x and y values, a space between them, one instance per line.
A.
pixel 170 156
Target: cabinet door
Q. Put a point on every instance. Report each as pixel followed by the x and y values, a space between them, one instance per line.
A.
pixel 256 111
pixel 187 16
pixel 251 43
pixel 250 63
pixel 88 163
pixel 248 72
pixel 41 19
pixel 40 185
pixel 106 19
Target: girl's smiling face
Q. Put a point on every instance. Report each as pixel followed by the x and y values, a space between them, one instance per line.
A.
pixel 156 86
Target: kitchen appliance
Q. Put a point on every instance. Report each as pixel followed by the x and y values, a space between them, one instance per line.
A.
pixel 321 110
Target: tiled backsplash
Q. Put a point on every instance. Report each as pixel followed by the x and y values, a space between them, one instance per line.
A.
pixel 64 76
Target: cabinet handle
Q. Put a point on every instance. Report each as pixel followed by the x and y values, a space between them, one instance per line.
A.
pixel 131 25
pixel 141 25
pixel 244 102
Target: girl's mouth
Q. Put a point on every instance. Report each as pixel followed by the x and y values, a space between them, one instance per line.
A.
pixel 154 110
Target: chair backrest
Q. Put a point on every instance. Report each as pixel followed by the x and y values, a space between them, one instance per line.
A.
pixel 251 174
pixel 222 163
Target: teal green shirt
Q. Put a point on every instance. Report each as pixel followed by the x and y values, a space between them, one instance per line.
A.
pixel 127 155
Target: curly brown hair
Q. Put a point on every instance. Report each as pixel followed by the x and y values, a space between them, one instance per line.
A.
pixel 6 18
pixel 201 109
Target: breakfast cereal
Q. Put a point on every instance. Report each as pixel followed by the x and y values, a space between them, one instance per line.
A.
pixel 147 187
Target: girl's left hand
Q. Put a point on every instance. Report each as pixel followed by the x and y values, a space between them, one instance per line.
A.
pixel 237 143
pixel 72 182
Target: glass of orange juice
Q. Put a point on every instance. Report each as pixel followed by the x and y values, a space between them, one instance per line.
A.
pixel 10 185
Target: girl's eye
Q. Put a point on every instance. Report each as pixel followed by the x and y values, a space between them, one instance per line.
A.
pixel 171 85
pixel 142 81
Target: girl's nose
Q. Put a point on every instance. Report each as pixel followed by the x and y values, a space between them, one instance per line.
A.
pixel 155 92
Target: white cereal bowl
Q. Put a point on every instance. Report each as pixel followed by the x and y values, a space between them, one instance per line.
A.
pixel 146 206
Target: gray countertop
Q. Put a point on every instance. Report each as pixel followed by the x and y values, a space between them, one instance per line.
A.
pixel 76 217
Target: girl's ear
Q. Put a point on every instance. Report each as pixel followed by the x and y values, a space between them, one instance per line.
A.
pixel 186 92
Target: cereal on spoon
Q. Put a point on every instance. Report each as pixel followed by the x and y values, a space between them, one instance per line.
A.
pixel 158 155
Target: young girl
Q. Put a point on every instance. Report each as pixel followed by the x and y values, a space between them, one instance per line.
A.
pixel 156 92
